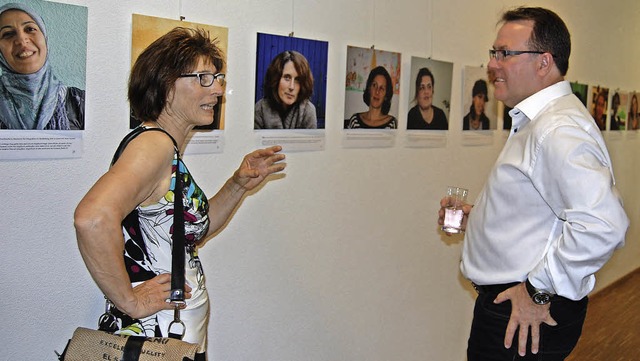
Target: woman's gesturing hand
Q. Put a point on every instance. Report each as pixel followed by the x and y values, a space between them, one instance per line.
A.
pixel 257 165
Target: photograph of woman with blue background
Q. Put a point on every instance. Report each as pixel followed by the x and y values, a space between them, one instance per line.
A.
pixel 291 83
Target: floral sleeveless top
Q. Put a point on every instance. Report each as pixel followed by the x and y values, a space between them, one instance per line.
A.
pixel 147 234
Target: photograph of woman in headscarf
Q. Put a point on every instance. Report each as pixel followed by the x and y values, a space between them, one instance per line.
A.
pixel 32 97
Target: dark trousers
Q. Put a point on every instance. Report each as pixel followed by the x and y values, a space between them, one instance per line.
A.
pixel 486 342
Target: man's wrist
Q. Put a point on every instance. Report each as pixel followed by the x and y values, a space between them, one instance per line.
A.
pixel 538 297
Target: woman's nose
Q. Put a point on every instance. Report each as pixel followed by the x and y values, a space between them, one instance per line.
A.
pixel 217 89
pixel 21 37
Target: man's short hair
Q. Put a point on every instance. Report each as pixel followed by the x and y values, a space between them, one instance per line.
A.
pixel 550 33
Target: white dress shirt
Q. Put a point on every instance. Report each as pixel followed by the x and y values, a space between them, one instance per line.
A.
pixel 549 210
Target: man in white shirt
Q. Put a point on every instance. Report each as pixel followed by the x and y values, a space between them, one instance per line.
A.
pixel 549 215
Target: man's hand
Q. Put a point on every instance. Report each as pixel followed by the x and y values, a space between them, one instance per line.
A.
pixel 525 315
pixel 466 209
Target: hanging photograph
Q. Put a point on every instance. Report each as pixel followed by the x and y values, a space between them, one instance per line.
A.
pixel 291 92
pixel 145 30
pixel 291 83
pixel 633 115
pixel 506 117
pixel 478 105
pixel 581 91
pixel 599 104
pixel 372 89
pixel 42 79
pixel 430 94
pixel 618 113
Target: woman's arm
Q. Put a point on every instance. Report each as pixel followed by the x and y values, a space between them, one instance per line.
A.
pixel 142 174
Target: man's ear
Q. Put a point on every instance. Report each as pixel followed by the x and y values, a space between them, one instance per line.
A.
pixel 545 63
pixel 546 59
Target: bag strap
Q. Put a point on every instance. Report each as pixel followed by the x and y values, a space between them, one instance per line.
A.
pixel 177 251
pixel 177 257
pixel 133 348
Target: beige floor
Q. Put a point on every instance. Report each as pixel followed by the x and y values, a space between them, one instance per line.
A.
pixel 612 328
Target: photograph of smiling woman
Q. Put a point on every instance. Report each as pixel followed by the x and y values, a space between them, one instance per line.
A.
pixel 32 96
pixel 377 96
pixel 372 89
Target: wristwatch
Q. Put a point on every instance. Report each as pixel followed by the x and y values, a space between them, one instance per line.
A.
pixel 538 297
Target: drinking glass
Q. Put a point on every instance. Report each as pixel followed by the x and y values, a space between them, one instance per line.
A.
pixel 453 214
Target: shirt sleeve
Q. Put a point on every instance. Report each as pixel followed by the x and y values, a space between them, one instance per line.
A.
pixel 572 173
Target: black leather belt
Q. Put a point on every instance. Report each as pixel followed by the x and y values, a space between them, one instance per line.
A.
pixel 493 289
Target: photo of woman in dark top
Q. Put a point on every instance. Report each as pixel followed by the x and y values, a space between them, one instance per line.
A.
pixel 425 115
pixel 476 119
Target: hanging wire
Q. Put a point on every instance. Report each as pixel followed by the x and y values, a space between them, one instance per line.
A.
pixel 373 25
pixel 181 17
pixel 430 27
pixel 293 10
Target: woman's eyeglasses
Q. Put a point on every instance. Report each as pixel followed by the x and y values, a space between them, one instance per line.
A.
pixel 206 79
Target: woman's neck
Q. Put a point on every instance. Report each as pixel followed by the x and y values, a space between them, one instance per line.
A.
pixel 427 114
pixel 284 111
pixel 374 117
pixel 171 126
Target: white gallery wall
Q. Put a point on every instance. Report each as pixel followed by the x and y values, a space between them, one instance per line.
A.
pixel 340 258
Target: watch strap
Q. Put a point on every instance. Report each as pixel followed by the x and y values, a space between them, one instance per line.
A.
pixel 538 297
pixel 530 289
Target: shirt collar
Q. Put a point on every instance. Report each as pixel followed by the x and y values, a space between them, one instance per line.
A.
pixel 532 105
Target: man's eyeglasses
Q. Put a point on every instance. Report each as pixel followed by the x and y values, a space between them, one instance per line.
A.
pixel 501 54
pixel 206 79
